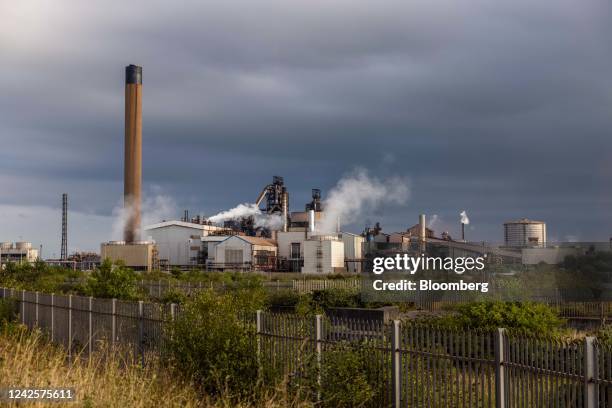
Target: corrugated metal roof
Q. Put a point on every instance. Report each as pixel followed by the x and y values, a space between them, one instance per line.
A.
pixel 183 224
pixel 259 241
pixel 253 240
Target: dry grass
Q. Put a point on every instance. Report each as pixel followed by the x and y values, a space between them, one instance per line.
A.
pixel 105 380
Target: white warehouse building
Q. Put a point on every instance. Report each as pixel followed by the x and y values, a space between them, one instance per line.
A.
pixel 292 244
pixel 239 252
pixel 525 233
pixel 179 242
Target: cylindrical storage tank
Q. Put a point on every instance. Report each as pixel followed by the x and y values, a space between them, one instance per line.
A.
pixel 422 227
pixel 6 245
pixel 23 245
pixel 525 233
pixel 311 221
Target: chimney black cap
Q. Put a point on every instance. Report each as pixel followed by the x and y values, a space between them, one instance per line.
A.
pixel 133 74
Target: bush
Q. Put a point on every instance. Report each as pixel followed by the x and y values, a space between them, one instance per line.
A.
pixel 344 377
pixel 211 343
pixel 8 311
pixel 336 298
pixel 533 317
pixel 174 296
pixel 113 281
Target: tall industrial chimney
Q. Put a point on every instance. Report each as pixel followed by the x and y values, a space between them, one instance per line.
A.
pixel 133 152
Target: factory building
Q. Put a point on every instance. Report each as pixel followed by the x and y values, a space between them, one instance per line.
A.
pixel 323 254
pixel 353 251
pixel 17 252
pixel 179 242
pixel 291 249
pixel 244 253
pixel 140 255
pixel 209 247
pixel 525 233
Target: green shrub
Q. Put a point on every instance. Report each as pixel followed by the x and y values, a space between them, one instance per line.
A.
pixel 113 281
pixel 336 298
pixel 533 317
pixel 8 311
pixel 345 377
pixel 174 296
pixel 284 298
pixel 213 345
pixel 176 272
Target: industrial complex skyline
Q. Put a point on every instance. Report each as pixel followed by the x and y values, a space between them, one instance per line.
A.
pixel 504 120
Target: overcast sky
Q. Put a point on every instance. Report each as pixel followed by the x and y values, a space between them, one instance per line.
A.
pixel 501 108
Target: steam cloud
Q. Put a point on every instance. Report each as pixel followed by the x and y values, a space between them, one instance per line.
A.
pixel 359 193
pixel 242 210
pixel 153 209
pixel 433 221
pixel 271 221
pixel 464 217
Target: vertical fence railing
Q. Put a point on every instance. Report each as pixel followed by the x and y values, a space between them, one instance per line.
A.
pixel 410 365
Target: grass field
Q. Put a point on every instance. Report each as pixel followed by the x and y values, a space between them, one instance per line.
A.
pixel 28 360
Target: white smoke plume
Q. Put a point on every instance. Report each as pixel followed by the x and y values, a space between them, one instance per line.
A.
pixel 433 221
pixel 270 221
pixel 464 217
pixel 241 210
pixel 357 194
pixel 154 209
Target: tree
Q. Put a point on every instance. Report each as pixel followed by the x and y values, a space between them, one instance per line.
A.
pixel 112 281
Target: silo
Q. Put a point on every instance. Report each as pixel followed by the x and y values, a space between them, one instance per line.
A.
pixel 23 245
pixel 525 233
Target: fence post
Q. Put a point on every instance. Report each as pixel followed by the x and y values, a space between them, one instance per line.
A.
pixel 23 306
pixel 590 361
pixel 113 321
pixel 259 326
pixel 36 319
pixel 396 362
pixel 141 331
pixel 52 316
pixel 318 339
pixel 500 369
pixel 90 347
pixel 172 311
pixel 159 289
pixel 70 327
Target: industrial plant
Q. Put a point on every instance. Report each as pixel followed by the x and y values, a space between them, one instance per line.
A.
pixel 266 235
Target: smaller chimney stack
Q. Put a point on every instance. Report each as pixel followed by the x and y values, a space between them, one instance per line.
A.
pixel 311 221
pixel 422 231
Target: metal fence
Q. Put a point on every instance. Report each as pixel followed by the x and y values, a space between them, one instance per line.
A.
pixel 87 324
pixel 159 288
pixel 405 365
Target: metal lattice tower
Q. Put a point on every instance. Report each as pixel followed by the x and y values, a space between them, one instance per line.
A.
pixel 64 255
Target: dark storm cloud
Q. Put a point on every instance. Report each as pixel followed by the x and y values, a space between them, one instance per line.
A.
pixel 499 107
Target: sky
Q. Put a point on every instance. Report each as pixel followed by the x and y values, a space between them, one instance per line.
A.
pixel 500 108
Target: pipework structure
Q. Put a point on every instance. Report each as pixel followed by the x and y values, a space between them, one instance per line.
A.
pixel 277 199
pixel 132 188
